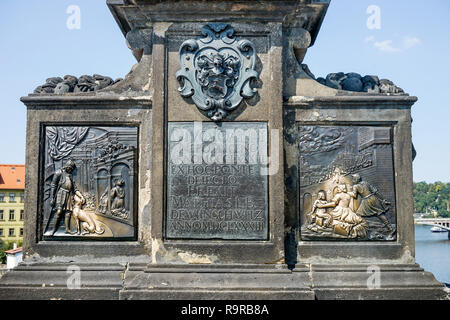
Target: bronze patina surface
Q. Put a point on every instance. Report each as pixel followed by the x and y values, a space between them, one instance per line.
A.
pixel 347 187
pixel 89 182
pixel 215 186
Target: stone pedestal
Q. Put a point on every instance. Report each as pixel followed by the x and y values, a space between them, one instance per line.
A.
pixel 302 191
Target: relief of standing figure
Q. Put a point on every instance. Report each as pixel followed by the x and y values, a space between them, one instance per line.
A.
pixel 62 191
pixel 372 203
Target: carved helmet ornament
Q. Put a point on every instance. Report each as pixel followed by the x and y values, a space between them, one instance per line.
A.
pixel 216 70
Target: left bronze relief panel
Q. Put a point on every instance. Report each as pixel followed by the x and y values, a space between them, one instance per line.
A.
pixel 88 182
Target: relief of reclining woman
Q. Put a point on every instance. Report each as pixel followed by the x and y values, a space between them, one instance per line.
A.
pixel 342 219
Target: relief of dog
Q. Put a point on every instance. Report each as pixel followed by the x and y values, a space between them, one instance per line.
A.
pixel 85 221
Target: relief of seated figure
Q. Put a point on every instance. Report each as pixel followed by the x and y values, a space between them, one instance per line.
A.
pixel 319 217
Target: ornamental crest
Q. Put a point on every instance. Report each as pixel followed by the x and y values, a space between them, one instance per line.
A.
pixel 216 70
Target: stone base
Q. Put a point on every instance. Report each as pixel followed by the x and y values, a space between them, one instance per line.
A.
pixel 220 282
pixel 360 282
pixel 45 281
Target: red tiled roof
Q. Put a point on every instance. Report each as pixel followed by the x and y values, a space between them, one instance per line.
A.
pixel 12 176
pixel 13 251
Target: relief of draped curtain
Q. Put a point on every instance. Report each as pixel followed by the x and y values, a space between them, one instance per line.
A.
pixel 62 140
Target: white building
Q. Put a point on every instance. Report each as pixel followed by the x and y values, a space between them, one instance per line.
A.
pixel 13 257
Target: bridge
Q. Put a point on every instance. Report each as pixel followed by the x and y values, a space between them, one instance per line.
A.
pixel 443 223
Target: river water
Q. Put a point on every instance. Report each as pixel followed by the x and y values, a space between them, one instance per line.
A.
pixel 433 252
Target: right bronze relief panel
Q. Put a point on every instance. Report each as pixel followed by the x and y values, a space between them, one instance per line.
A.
pixel 347 187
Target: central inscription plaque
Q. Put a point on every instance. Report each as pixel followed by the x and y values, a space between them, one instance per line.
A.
pixel 217 181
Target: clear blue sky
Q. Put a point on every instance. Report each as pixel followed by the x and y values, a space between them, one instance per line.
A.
pixel 411 48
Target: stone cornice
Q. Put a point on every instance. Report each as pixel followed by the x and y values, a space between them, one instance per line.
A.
pixel 75 100
pixel 351 100
pixel 137 14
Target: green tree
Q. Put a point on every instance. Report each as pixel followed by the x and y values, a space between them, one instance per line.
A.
pixel 432 196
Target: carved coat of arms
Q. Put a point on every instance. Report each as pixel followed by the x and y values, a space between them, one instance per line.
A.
pixel 216 70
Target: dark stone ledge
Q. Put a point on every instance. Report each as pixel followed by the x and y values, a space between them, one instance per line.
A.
pixel 82 100
pixel 96 249
pixel 351 100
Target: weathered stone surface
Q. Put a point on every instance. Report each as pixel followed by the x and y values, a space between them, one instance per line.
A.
pixel 137 281
pixel 308 71
pixel 387 86
pixel 195 265
pixel 263 107
pixel 70 83
pixel 356 110
pixel 355 82
pixel 375 282
pixel 247 282
pixel 370 84
pixel 111 110
pixel 322 81
pixel 353 75
pixel 352 84
pixel 49 86
pixel 53 281
pixel 333 80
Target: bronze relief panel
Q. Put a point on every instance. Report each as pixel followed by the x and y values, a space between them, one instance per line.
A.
pixel 347 187
pixel 88 188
